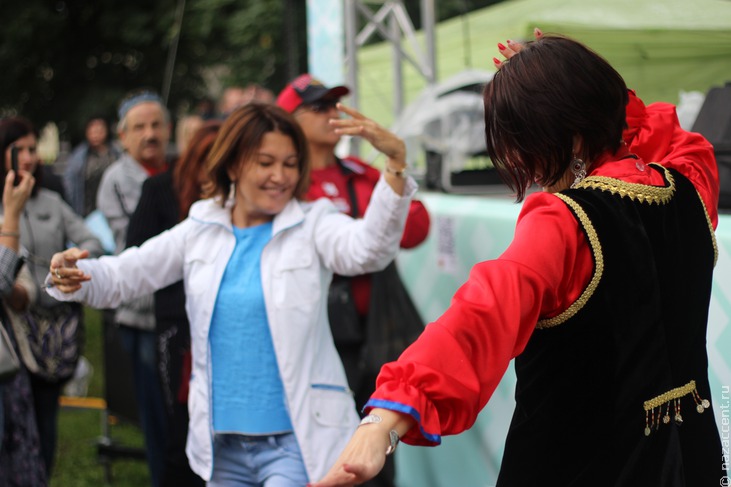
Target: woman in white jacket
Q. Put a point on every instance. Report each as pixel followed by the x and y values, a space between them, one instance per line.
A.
pixel 269 403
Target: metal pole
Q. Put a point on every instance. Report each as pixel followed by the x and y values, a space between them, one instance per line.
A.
pixel 351 52
pixel 397 11
pixel 428 17
pixel 397 64
pixel 173 53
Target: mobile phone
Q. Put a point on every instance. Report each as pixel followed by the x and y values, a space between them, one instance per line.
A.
pixel 14 164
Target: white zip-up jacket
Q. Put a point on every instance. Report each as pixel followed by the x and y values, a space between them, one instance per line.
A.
pixel 309 242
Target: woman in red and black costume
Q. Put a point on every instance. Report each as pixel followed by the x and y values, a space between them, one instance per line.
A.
pixel 602 297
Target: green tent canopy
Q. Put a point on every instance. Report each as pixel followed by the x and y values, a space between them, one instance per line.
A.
pixel 661 47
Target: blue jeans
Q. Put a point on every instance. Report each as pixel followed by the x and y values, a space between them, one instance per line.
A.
pixel 257 461
pixel 141 346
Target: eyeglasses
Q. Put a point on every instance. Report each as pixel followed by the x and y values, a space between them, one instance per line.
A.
pixel 321 106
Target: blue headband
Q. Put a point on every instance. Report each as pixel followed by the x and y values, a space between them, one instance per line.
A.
pixel 135 100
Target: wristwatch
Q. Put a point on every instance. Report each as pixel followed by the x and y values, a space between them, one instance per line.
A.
pixel 393 437
pixel 396 172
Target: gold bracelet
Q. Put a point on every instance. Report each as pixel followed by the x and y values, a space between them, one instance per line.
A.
pixel 396 172
pixel 10 234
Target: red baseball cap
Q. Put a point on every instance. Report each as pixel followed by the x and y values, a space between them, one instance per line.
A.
pixel 306 89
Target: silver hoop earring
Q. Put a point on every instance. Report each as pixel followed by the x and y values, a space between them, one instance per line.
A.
pixel 578 168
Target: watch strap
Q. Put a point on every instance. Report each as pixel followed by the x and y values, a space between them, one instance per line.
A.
pixel 396 172
pixel 393 438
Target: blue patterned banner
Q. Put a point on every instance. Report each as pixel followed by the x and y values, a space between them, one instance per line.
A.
pixel 325 41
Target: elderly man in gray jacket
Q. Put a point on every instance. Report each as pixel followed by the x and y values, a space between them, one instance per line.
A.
pixel 144 131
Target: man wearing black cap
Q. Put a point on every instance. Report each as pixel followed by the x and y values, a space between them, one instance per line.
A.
pixel 349 183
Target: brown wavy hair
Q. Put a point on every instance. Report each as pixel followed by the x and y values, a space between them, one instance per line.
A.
pixel 240 138
pixel 188 169
pixel 554 89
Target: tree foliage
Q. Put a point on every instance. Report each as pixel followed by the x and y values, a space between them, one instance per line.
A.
pixel 445 9
pixel 66 60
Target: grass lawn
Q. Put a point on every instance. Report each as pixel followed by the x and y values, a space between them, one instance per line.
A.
pixel 80 429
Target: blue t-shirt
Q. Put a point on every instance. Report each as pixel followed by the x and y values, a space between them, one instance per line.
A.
pixel 248 395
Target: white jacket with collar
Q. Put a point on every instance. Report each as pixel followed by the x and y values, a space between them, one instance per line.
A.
pixel 309 242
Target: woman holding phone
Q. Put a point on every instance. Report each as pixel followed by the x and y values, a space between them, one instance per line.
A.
pixel 46 225
pixel 20 458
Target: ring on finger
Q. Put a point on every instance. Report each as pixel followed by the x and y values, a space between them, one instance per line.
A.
pixel 57 273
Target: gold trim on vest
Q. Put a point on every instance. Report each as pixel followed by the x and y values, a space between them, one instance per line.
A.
pixel 710 228
pixel 640 192
pixel 596 249
pixel 670 400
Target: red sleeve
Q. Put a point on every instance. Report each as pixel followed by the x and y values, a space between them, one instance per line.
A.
pixel 447 376
pixel 655 135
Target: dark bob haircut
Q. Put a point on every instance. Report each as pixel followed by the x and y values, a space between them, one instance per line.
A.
pixel 555 89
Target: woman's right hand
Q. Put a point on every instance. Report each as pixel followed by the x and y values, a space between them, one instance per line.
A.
pixel 65 276
pixel 14 197
pixel 382 139
pixel 362 459
pixel 365 453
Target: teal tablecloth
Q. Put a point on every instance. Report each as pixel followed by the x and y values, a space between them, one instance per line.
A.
pixel 469 229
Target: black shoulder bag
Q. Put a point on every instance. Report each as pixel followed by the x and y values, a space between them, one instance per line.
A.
pixel 393 320
pixel 345 323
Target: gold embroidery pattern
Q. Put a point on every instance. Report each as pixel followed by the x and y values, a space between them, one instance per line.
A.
pixel 710 227
pixel 639 192
pixel 596 249
pixel 670 400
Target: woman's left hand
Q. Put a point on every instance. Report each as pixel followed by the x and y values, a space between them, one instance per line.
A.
pixel 362 459
pixel 381 138
pixel 365 453
pixel 65 276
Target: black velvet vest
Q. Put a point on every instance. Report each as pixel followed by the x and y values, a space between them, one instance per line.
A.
pixel 614 391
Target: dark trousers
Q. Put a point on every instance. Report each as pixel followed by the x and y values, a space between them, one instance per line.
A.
pixel 141 346
pixel 45 402
pixel 173 342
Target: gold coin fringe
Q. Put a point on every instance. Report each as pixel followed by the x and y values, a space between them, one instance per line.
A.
pixel 670 403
